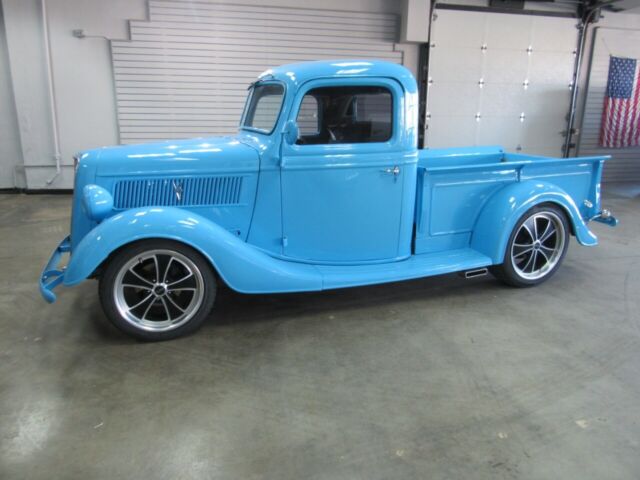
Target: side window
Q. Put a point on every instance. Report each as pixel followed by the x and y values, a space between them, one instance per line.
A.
pixel 330 115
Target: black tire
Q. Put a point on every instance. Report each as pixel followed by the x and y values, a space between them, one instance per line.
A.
pixel 179 298
pixel 543 258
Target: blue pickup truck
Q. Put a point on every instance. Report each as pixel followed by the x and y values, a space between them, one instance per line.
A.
pixel 323 187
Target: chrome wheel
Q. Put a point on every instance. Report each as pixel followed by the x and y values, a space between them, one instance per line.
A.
pixel 158 290
pixel 538 245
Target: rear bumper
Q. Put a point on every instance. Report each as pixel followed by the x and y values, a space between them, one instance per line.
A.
pixel 605 217
pixel 52 275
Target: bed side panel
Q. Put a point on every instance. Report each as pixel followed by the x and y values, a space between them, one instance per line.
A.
pixel 450 202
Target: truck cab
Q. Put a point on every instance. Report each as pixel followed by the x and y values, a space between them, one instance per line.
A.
pixel 340 148
pixel 323 187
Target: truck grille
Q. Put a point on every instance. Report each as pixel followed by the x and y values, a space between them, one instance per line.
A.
pixel 183 192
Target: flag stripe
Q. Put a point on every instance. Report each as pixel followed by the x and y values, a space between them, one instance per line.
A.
pixel 626 111
pixel 633 107
pixel 634 138
pixel 618 106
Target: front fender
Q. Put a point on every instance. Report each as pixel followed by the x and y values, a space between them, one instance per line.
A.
pixel 503 210
pixel 242 266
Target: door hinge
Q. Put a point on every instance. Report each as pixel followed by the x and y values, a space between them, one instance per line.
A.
pixel 285 241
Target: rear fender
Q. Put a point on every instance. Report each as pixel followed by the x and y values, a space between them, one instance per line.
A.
pixel 503 210
pixel 243 267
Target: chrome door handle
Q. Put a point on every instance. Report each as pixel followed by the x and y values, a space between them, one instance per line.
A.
pixel 395 171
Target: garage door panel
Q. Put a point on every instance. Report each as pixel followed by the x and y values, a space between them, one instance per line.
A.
pixel 502 100
pixel 464 29
pixel 455 64
pixel 554 34
pixel 508 31
pixel 453 130
pixel 540 97
pixel 555 151
pixel 543 131
pixel 499 130
pixel 552 68
pixel 454 98
pixel 505 66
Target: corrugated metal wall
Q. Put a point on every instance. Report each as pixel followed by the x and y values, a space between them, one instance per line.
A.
pixel 500 79
pixel 625 164
pixel 184 73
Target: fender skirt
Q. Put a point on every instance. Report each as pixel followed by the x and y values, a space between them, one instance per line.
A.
pixel 503 210
pixel 243 267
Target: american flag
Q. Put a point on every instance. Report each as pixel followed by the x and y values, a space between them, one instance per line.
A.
pixel 621 115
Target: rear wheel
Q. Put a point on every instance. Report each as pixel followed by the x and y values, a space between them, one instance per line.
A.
pixel 157 290
pixel 536 247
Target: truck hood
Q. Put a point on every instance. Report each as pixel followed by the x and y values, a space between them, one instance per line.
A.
pixel 176 157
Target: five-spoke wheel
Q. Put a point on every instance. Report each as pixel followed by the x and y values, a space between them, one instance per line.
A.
pixel 157 289
pixel 536 247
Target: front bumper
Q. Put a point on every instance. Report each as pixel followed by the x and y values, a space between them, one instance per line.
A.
pixel 52 275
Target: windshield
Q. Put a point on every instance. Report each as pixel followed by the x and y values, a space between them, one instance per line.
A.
pixel 263 107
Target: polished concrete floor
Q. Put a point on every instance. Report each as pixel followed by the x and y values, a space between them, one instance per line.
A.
pixel 441 378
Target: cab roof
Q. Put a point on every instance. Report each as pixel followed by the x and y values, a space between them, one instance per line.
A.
pixel 295 74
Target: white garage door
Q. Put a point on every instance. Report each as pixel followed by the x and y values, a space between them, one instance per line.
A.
pixel 625 164
pixel 499 79
pixel 184 73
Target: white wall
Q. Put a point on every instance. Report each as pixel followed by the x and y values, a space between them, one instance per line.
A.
pixel 83 77
pixel 10 151
pixel 415 25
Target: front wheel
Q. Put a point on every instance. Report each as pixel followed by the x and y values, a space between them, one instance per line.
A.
pixel 157 290
pixel 536 247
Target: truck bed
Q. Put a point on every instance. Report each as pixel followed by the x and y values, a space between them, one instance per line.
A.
pixel 453 185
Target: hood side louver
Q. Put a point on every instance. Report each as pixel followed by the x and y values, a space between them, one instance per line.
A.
pixel 177 192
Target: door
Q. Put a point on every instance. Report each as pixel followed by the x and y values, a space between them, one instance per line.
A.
pixel 342 181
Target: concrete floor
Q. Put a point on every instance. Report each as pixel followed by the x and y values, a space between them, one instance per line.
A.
pixel 440 378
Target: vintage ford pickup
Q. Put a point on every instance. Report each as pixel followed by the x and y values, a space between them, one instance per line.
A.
pixel 322 187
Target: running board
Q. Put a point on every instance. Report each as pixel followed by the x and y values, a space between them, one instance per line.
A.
pixel 417 266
